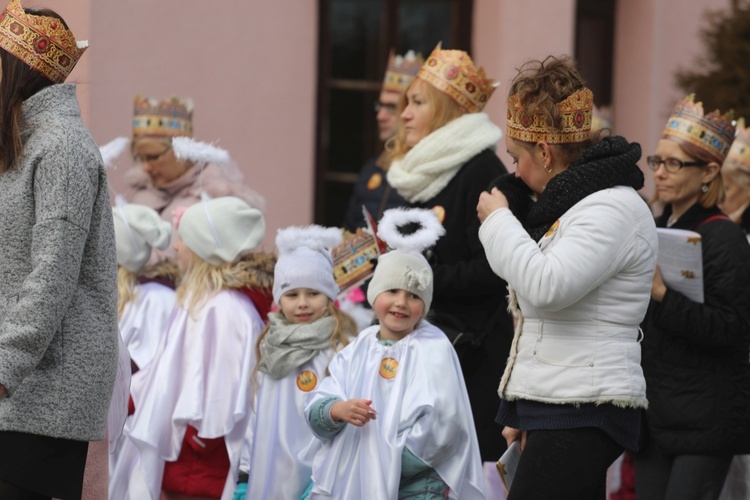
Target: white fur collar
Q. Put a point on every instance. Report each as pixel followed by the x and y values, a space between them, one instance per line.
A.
pixel 430 165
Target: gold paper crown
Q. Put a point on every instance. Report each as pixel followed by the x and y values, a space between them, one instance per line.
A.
pixel 576 120
pixel 167 118
pixel 710 134
pixel 401 71
pixel 453 72
pixel 42 42
pixel 739 152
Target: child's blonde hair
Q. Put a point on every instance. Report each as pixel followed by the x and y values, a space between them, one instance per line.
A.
pixel 202 280
pixel 127 284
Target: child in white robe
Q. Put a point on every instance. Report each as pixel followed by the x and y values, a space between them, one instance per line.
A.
pixel 293 355
pixel 143 308
pixel 143 304
pixel 394 415
pixel 192 401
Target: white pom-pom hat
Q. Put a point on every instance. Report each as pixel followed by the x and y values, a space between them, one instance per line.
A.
pixel 408 232
pixel 138 229
pixel 305 260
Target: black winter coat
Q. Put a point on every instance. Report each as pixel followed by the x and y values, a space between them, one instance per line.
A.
pixel 695 356
pixel 469 292
pixel 373 191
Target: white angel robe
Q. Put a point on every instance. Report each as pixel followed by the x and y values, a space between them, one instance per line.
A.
pixel 282 446
pixel 200 376
pixel 418 391
pixel 144 321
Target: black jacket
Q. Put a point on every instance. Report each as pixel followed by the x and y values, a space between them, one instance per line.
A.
pixel 469 292
pixel 695 356
pixel 373 191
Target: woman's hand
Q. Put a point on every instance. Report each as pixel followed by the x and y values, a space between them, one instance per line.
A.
pixel 658 288
pixel 489 202
pixel 510 434
pixel 355 411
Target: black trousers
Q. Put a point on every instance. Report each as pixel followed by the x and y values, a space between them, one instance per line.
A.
pixel 36 467
pixel 680 477
pixel 568 464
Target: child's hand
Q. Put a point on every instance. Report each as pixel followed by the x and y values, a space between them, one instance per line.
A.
pixel 355 411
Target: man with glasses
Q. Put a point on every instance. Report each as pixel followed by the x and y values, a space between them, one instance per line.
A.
pixel 372 189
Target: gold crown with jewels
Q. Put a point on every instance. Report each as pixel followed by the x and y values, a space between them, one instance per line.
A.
pixel 739 152
pixel 171 117
pixel 700 134
pixel 42 42
pixel 453 72
pixel 576 120
pixel 401 71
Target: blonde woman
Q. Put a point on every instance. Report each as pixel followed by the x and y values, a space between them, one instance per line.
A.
pixel 442 157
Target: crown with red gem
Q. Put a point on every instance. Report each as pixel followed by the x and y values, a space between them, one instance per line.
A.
pixel 700 135
pixel 576 120
pixel 42 42
pixel 739 152
pixel 171 117
pixel 401 71
pixel 453 72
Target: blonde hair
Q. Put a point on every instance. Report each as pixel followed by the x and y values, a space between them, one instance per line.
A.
pixel 444 111
pixel 127 288
pixel 202 280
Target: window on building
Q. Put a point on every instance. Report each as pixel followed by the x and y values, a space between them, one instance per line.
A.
pixel 355 39
pixel 594 47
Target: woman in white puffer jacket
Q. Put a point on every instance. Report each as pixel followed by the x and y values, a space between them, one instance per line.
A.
pixel 577 246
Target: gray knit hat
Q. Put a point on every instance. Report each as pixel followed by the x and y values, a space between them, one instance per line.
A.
pixel 305 260
pixel 408 232
pixel 138 229
pixel 218 230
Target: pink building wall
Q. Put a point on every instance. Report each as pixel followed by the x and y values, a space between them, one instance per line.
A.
pixel 653 38
pixel 251 68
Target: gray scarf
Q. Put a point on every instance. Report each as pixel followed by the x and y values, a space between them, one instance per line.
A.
pixel 288 346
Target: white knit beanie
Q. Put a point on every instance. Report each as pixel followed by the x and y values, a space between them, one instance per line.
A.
pixel 408 232
pixel 219 230
pixel 138 229
pixel 305 260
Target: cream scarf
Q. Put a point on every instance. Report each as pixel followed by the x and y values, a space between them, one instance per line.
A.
pixel 430 165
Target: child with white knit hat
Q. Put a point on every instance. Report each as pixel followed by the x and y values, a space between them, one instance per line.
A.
pixel 394 413
pixel 293 355
pixel 192 403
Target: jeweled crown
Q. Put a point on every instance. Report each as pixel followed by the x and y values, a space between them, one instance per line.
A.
pixel 42 42
pixel 401 71
pixel 171 117
pixel 739 152
pixel 453 72
pixel 708 135
pixel 576 120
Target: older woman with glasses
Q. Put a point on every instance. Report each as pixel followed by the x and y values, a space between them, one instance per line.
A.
pixel 164 179
pixel 695 355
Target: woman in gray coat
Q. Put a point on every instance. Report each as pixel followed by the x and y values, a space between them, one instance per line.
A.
pixel 58 298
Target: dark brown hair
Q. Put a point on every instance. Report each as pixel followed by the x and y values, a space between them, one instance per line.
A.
pixel 19 82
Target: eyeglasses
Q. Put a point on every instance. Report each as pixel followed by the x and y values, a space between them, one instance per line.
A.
pixel 151 158
pixel 389 108
pixel 673 165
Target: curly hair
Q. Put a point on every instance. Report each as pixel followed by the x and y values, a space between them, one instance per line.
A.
pixel 541 86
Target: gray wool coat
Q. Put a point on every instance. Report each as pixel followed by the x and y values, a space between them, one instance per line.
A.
pixel 58 277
